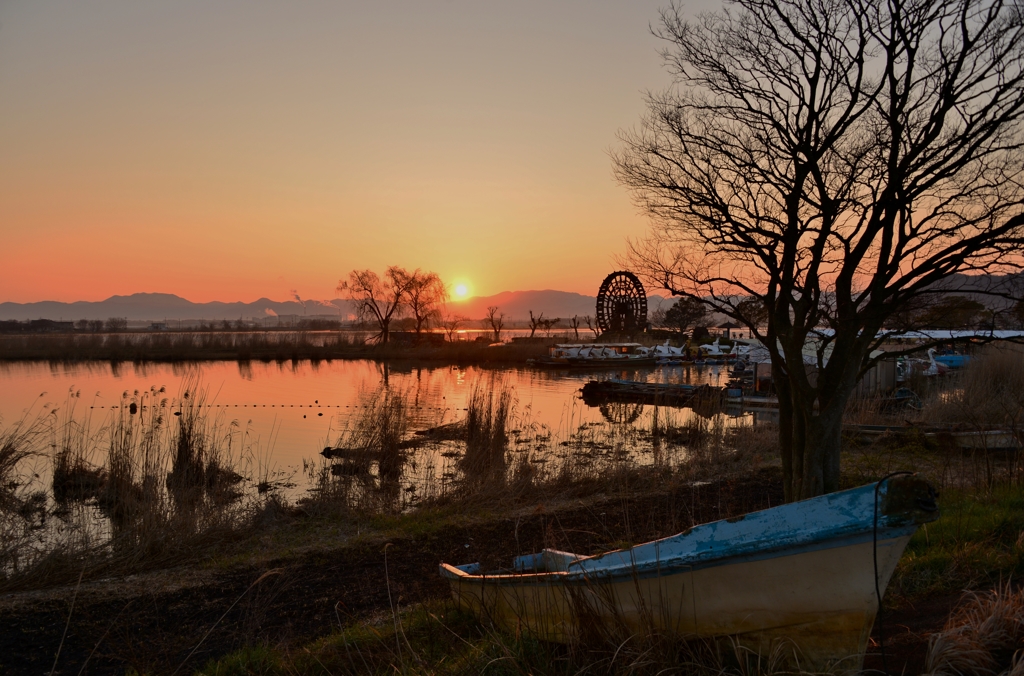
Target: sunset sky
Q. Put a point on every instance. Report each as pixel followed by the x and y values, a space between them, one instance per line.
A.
pixel 232 150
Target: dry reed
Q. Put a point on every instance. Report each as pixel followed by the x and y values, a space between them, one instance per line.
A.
pixel 983 637
pixel 490 412
pixel 988 392
pixel 365 463
pixel 159 496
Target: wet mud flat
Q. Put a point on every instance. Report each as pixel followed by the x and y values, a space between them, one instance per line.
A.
pixel 154 624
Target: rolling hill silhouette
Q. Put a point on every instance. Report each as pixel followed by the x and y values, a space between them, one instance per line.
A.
pixel 169 307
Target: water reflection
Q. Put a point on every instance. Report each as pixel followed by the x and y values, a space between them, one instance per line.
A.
pixel 295 408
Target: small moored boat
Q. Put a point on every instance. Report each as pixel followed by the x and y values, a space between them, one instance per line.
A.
pixel 597 355
pixel 803 573
pixel 596 392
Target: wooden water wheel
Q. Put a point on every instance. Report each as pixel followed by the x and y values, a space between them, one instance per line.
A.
pixel 621 304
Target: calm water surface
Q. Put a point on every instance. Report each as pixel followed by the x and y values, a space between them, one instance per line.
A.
pixel 293 409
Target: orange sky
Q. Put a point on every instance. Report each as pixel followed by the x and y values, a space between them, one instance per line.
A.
pixel 232 150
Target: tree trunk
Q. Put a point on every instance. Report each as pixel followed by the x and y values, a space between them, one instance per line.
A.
pixel 810 432
pixel 810 443
pixel 786 410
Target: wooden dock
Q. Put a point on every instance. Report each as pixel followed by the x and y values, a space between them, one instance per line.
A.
pixel 597 392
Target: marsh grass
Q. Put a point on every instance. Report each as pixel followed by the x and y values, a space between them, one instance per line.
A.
pixel 439 638
pixel 22 508
pixel 163 493
pixel 988 392
pixel 979 537
pixel 491 409
pixel 19 442
pixel 985 635
pixel 178 346
pixel 364 464
pixel 496 458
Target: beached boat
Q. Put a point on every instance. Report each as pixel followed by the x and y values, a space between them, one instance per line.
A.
pixel 802 574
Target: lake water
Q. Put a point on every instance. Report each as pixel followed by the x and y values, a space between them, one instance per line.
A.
pixel 292 410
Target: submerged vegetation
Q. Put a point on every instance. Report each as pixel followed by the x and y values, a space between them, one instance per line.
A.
pixel 153 486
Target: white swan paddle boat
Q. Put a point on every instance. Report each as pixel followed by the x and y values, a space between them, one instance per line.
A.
pixel 803 574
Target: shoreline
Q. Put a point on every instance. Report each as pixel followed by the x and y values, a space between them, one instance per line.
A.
pixel 186 348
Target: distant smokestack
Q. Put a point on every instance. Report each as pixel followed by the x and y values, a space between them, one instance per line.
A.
pixel 298 299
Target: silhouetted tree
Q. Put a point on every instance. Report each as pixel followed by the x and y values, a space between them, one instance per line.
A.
pixel 684 314
pixel 425 295
pixel 535 322
pixel 116 324
pixel 377 299
pixel 1017 314
pixel 833 160
pixel 451 322
pixel 951 312
pixel 574 324
pixel 496 320
pixel 549 324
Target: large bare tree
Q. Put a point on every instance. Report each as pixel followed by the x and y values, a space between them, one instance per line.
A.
pixel 378 299
pixel 833 160
pixel 425 297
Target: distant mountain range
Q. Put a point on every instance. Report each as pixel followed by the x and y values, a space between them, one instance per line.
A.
pixel 167 306
pixel 158 307
pixel 516 305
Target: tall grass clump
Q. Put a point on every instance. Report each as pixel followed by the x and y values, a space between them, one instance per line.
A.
pixel 163 491
pixel 988 391
pixel 984 636
pixel 73 475
pixel 488 419
pixel 366 460
pixel 19 441
pixel 22 510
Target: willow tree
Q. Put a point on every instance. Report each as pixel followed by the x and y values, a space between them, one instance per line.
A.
pixel 378 300
pixel 834 160
pixel 425 296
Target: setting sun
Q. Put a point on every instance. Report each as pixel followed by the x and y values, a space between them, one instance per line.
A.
pixel 461 291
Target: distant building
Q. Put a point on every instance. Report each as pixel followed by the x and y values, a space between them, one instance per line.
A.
pixel 730 331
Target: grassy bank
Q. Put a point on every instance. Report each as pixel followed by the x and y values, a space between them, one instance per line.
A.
pixel 976 545
pixel 246 346
pixel 438 638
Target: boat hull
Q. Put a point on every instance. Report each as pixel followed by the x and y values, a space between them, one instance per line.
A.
pixel 820 603
pixel 799 577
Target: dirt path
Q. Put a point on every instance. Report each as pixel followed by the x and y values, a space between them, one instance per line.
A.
pixel 153 625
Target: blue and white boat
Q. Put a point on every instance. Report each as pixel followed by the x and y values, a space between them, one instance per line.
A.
pixel 803 575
